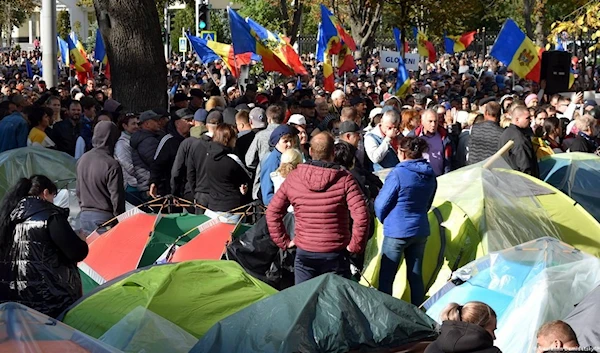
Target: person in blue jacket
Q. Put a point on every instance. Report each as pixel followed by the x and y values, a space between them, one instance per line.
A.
pixel 402 206
pixel 14 131
pixel 282 139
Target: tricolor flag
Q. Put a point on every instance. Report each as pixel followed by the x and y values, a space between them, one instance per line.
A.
pixel 456 44
pixel 78 59
pixel 515 50
pixel 424 46
pixel 345 60
pixel 402 80
pixel 245 40
pixel 327 16
pixel 280 46
pixel 100 53
pixel 64 50
pixel 209 51
pixel 398 39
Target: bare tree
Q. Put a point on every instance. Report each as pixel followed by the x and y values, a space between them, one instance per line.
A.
pixel 292 28
pixel 364 17
pixel 132 36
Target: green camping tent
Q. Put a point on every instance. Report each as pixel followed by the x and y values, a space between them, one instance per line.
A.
pixel 193 295
pixel 28 161
pixel 326 314
pixel 478 210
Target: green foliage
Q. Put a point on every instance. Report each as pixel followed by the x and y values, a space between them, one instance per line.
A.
pixel 185 19
pixel 63 24
pixel 220 24
pixel 90 42
pixel 264 12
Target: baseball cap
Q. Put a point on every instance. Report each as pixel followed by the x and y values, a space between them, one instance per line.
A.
pixel 214 117
pixel 200 115
pixel 184 114
pixel 297 119
pixel 195 92
pixel 590 103
pixel 149 115
pixel 180 97
pixel 258 118
pixel 279 132
pixel 348 126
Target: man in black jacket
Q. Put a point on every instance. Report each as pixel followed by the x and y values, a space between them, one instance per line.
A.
pixel 484 138
pixel 65 132
pixel 100 188
pixel 144 144
pixel 521 156
pixel 164 157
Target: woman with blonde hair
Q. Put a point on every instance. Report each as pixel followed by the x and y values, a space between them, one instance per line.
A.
pixel 466 328
pixel 289 161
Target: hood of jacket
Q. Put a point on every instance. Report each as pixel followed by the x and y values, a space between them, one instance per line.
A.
pixel 459 336
pixel 141 135
pixel 31 206
pixel 106 135
pixel 419 166
pixel 320 176
pixel 172 129
pixel 216 151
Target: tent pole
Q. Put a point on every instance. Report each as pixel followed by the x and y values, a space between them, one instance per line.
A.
pixel 499 154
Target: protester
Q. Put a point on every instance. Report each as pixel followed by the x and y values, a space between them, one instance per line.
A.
pixel 226 176
pixel 13 131
pixel 35 235
pixel 128 124
pixel 283 138
pixel 521 156
pixel 484 138
pixel 440 149
pixel 245 134
pixel 556 336
pixel 100 186
pixel 584 141
pixel 381 144
pixel 323 196
pixel 466 328
pixel 402 206
pixel 289 161
pixel 66 132
pixel 144 144
pixel 40 121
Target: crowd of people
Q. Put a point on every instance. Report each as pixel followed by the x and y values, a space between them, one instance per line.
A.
pixel 291 147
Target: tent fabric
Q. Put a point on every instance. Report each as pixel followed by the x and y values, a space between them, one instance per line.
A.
pixel 326 314
pixel 143 331
pixel 577 175
pixel 584 319
pixel 482 210
pixel 256 252
pixel 142 239
pixel 24 330
pixel 526 285
pixel 192 295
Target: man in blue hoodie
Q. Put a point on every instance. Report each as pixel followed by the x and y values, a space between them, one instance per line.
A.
pixel 13 132
pixel 282 138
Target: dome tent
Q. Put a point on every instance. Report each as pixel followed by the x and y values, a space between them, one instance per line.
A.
pixel 479 210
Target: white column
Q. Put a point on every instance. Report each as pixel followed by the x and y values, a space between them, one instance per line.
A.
pixel 31 36
pixel 48 34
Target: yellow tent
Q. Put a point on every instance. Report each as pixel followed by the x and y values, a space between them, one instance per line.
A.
pixel 479 210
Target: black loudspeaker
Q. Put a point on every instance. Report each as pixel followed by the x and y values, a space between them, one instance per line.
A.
pixel 556 70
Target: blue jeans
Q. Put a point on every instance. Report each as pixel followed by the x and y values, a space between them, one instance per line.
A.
pixel 90 220
pixel 308 264
pixel 392 252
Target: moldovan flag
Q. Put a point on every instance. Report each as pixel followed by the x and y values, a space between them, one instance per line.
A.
pixel 456 44
pixel 79 61
pixel 515 50
pixel 329 79
pixel 424 46
pixel 100 53
pixel 345 60
pixel 326 15
pixel 245 40
pixel 209 51
pixel 280 46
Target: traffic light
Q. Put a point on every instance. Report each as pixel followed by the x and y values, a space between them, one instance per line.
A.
pixel 203 16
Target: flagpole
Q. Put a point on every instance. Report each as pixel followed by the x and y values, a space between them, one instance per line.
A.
pixel 344 82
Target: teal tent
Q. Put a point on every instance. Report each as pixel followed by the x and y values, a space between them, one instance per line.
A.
pixel 577 175
pixel 326 314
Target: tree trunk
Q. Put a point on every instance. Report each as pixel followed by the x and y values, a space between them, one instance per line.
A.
pixel 540 17
pixel 296 21
pixel 527 12
pixel 365 17
pixel 132 37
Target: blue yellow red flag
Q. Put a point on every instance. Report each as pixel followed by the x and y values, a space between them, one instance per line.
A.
pixel 328 17
pixel 402 79
pixel 515 50
pixel 79 61
pixel 456 44
pixel 329 41
pixel 245 40
pixel 209 51
pixel 64 50
pixel 100 53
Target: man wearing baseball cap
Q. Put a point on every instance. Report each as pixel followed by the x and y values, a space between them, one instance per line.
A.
pixel 144 143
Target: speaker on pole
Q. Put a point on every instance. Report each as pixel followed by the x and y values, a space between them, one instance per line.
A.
pixel 556 70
